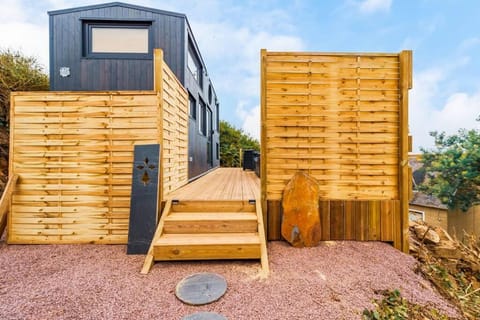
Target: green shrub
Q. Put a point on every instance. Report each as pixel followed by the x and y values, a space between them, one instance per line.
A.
pixel 18 73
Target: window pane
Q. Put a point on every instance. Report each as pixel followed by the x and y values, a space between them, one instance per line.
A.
pixel 201 118
pixel 119 40
pixel 209 121
pixel 192 107
pixel 193 66
pixel 217 115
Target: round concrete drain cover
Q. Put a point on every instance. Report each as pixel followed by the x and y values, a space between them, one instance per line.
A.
pixel 204 316
pixel 201 288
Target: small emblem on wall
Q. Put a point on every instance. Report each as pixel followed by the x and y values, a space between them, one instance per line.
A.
pixel 64 72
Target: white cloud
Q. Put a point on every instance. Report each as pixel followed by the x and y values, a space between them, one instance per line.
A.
pixel 30 39
pixel 20 33
pixel 250 119
pixel 469 44
pixel 223 41
pixel 11 11
pixel 373 6
pixel 458 110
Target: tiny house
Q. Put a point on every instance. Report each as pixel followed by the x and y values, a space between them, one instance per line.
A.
pixel 109 47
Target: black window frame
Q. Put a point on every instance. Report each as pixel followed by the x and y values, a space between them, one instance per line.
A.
pixel 217 115
pixel 209 121
pixel 202 118
pixel 210 94
pixel 88 25
pixel 191 52
pixel 192 111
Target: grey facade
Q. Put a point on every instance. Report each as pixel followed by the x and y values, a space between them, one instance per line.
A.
pixel 81 61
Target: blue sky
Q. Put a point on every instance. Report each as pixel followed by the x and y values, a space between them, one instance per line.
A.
pixel 443 34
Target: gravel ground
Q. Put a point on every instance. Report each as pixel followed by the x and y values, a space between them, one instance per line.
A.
pixel 335 280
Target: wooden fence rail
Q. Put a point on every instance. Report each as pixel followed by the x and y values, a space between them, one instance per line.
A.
pixel 5 201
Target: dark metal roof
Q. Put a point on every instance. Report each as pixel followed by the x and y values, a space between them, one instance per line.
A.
pixel 116 4
pixel 425 200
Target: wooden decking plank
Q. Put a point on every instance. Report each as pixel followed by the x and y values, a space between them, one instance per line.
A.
pixel 213 206
pixel 213 252
pixel 182 216
pixel 210 222
pixel 207 246
pixel 208 239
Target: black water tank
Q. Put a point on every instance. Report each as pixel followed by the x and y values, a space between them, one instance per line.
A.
pixel 256 159
pixel 249 159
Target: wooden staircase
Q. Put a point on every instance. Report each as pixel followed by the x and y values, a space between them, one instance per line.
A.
pixel 207 230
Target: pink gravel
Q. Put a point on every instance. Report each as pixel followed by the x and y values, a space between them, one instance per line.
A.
pixel 335 280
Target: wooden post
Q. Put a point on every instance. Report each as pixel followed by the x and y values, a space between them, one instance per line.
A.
pixel 157 69
pixel 404 179
pixel 263 137
pixel 158 88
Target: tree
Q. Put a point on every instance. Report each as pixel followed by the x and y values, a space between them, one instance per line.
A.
pixel 18 73
pixel 453 169
pixel 232 141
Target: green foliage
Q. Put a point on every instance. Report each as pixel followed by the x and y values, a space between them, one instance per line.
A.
pixel 232 141
pixel 453 169
pixel 18 73
pixel 459 287
pixel 394 307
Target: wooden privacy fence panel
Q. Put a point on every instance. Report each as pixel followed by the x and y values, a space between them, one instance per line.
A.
pixel 337 118
pixel 73 153
pixel 341 118
pixel 175 133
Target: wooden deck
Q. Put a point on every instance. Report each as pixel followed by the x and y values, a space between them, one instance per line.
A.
pixel 221 184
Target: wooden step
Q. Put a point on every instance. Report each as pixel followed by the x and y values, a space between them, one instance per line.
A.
pixel 210 222
pixel 213 206
pixel 207 246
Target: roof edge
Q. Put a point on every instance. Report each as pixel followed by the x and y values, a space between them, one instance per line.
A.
pixel 116 4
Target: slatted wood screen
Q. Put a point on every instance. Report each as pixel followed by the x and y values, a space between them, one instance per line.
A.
pixel 175 132
pixel 73 152
pixel 341 118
